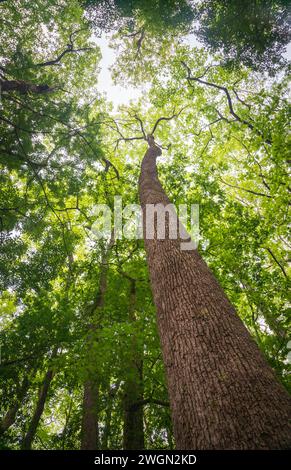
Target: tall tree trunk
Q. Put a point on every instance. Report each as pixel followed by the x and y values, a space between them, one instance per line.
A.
pixel 65 430
pixel 9 418
pixel 107 432
pixel 43 392
pixel 133 431
pixel 223 394
pixel 89 430
pixel 89 433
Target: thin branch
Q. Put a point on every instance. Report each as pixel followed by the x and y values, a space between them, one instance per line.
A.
pixel 190 79
pixel 122 138
pixel 73 132
pixel 139 43
pixel 163 118
pixel 141 125
pixel 240 100
pixel 257 163
pixel 277 261
pixel 245 189
pixel 39 179
pixel 148 401
pixel 69 49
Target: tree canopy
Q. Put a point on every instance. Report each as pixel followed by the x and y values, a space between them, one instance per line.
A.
pixel 74 307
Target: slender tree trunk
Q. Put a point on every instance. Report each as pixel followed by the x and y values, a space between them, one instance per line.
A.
pixel 223 394
pixel 89 431
pixel 112 392
pixel 68 416
pixel 90 434
pixel 28 439
pixel 9 418
pixel 133 431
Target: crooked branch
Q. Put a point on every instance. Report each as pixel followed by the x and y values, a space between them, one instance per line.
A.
pixel 277 262
pixel 164 118
pixel 69 49
pixel 232 111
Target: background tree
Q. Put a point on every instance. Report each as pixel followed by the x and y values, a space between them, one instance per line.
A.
pixel 251 33
pixel 65 150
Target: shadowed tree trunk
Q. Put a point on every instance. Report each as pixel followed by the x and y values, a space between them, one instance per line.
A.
pixel 89 431
pixel 90 434
pixel 43 392
pixel 9 418
pixel 223 394
pixel 107 432
pixel 133 432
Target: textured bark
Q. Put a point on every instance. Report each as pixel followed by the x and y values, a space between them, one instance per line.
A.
pixel 133 432
pixel 9 418
pixel 28 439
pixel 90 434
pixel 89 431
pixel 223 394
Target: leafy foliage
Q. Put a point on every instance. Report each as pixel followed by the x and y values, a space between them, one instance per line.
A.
pixel 65 150
pixel 252 33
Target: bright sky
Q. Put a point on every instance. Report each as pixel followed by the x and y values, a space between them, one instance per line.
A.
pixel 117 94
pixel 120 95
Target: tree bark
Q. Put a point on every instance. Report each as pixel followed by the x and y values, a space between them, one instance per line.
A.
pixel 133 430
pixel 89 433
pixel 223 394
pixel 89 430
pixel 29 437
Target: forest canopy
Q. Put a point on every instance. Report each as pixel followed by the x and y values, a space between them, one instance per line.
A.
pixel 124 342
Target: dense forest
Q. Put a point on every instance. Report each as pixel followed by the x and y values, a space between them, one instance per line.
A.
pixel 129 341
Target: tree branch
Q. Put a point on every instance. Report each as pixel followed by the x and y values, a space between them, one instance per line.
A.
pixel 70 48
pixel 163 118
pixel 190 79
pixel 246 190
pixel 148 401
pixel 277 262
